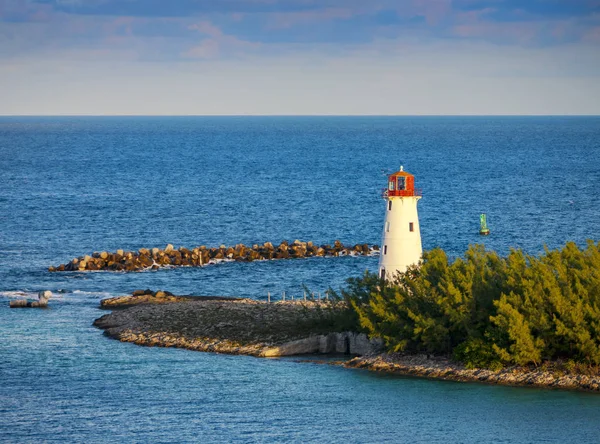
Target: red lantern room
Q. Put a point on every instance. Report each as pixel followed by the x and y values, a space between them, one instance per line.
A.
pixel 401 184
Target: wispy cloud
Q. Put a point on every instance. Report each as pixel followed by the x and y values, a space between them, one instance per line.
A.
pixel 216 42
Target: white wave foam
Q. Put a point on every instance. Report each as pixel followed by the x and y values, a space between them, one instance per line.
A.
pixel 19 294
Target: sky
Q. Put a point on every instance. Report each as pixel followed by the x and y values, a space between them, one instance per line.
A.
pixel 299 57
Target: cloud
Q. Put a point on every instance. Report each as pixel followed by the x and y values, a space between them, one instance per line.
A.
pixel 175 8
pixel 280 20
pixel 592 35
pixel 217 43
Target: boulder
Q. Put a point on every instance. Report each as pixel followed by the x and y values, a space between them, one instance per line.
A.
pixel 284 254
pixel 18 303
pixel 168 248
pixel 44 296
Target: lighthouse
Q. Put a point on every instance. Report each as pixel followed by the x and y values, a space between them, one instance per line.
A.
pixel 401 243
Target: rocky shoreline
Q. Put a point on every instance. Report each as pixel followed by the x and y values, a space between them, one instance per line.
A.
pixel 155 258
pixel 442 368
pixel 261 329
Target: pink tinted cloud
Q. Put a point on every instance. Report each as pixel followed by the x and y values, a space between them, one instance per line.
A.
pixel 206 27
pixel 25 11
pixel 217 43
pixel 282 20
pixel 521 32
pixel 474 16
pixel 592 35
pixel 435 10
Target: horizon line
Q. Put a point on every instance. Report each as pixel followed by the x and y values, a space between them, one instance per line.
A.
pixel 299 115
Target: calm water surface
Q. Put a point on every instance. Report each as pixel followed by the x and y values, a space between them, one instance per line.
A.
pixel 71 186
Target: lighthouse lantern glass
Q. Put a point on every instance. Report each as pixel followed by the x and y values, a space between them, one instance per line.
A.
pixel 401 183
pixel 391 185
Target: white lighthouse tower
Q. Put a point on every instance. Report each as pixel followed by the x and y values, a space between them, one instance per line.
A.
pixel 401 244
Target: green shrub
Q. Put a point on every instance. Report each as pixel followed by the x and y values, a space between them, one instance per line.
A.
pixel 476 353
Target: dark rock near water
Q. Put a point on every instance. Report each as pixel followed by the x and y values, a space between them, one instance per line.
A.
pixel 42 302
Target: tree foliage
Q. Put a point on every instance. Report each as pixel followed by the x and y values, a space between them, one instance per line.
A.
pixel 488 310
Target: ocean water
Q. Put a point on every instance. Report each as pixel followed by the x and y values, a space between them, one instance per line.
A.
pixel 75 185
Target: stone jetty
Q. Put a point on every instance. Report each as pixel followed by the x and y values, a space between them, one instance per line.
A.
pixel 155 258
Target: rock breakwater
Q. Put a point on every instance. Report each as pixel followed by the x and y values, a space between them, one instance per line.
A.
pixel 155 258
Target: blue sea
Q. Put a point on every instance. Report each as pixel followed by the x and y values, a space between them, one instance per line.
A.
pixel 74 185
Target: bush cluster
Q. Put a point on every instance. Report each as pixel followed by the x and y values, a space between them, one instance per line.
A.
pixel 487 310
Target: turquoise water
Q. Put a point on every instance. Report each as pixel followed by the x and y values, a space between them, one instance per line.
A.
pixel 71 186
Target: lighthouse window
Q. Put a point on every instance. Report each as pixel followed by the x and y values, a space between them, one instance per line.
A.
pixel 411 226
pixel 390 205
pixel 391 185
pixel 401 183
pixel 387 226
pixel 385 249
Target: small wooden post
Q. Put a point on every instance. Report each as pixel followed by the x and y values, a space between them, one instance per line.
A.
pixel 305 296
pixel 327 295
pixel 283 296
pixel 319 296
pixel 312 295
pixel 268 297
pixel 292 297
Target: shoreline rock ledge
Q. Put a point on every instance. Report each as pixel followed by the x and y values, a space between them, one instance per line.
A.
pixel 155 258
pixel 231 326
pixel 435 367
